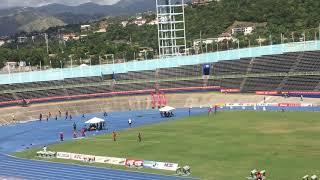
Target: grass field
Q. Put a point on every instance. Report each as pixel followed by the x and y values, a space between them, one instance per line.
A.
pixel 227 146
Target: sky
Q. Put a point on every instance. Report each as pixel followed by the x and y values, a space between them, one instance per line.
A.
pixel 37 3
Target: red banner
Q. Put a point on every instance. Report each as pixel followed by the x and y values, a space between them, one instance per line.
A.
pixel 230 90
pixel 289 105
pixel 304 92
pixel 267 92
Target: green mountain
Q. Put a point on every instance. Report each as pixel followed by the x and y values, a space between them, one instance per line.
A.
pixel 24 19
pixel 41 24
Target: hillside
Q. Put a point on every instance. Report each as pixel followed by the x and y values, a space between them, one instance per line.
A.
pixel 26 20
pixel 41 24
pixel 291 18
pixel 18 19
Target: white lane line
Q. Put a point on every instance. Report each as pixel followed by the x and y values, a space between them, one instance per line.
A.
pixel 102 168
pixel 62 172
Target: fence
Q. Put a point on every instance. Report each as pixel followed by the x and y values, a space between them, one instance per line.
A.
pixel 98 70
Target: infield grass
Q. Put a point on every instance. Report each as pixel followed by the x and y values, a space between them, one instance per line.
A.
pixel 225 146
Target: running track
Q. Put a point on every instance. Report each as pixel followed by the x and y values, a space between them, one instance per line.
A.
pixel 40 170
pixel 36 134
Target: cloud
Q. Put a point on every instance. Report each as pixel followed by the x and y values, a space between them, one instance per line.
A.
pixel 37 3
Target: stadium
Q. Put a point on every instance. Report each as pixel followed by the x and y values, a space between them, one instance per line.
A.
pixel 270 78
pixel 246 113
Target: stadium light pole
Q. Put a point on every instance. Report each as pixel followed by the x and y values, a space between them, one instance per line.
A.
pixel 100 64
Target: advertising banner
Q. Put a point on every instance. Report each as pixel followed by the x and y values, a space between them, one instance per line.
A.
pixel 110 160
pixel 267 92
pixel 63 155
pixel 289 105
pixel 149 164
pixel 166 166
pixel 230 90
pixel 134 163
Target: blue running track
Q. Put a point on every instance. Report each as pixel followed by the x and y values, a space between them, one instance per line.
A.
pixel 20 137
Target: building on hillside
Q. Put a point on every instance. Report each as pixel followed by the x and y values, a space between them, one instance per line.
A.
pixel 101 30
pixel 11 65
pixel 70 36
pixel 124 23
pixel 153 22
pixel 197 42
pixel 85 27
pixel 22 39
pixel 201 2
pixel 247 30
pixel 225 37
pixel 143 52
pixel 2 42
pixel 140 21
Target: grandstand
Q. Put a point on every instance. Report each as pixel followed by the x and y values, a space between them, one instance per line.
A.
pixel 275 71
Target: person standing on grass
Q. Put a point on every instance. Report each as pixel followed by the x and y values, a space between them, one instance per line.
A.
pixel 130 122
pixel 114 135
pixel 209 111
pixel 139 137
pixel 215 109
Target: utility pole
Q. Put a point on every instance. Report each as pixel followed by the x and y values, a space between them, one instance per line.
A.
pixel 292 36
pixel 47 42
pixel 201 42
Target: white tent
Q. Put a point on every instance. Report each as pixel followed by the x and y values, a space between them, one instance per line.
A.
pixel 83 65
pixel 167 109
pixel 95 120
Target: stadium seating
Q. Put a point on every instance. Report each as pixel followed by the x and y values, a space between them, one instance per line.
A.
pixel 230 74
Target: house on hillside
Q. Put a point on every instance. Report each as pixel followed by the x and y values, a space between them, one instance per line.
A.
pixel 2 42
pixel 225 37
pixel 124 23
pixel 153 22
pixel 101 30
pixel 242 27
pixel 70 36
pixel 201 2
pixel 197 42
pixel 85 27
pixel 247 30
pixel 140 21
pixel 22 39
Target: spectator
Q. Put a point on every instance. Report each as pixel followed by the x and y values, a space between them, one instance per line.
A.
pixel 114 135
pixel 139 137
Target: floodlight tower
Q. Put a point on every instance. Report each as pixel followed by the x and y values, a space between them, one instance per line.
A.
pixel 171 28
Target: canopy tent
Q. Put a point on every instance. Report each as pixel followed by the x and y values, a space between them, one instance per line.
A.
pixel 95 120
pixel 84 65
pixel 167 109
